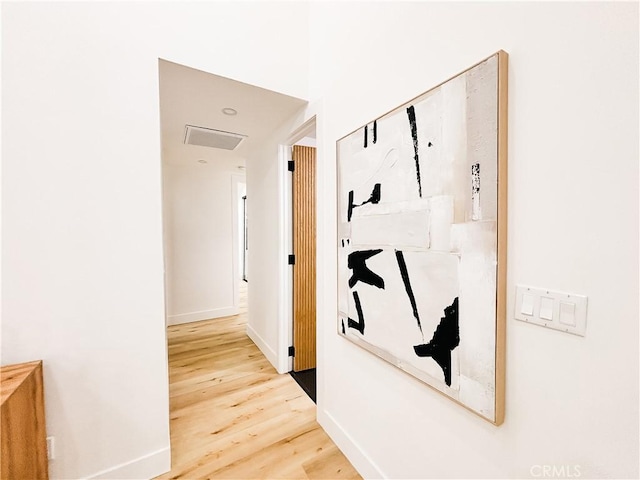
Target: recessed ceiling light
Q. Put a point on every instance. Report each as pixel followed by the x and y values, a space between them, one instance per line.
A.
pixel 229 111
pixel 202 161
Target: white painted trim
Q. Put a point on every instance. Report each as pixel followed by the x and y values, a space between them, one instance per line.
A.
pixel 264 347
pixel 302 131
pixel 235 237
pixel 285 272
pixel 202 315
pixel 365 466
pixel 307 142
pixel 148 466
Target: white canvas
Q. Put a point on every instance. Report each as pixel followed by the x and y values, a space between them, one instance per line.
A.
pixel 417 206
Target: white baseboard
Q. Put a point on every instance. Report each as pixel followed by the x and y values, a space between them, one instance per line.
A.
pixel 145 467
pixel 359 459
pixel 263 346
pixel 202 315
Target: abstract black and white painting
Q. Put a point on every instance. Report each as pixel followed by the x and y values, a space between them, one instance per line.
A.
pixel 420 236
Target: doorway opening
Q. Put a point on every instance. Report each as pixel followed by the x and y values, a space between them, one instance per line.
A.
pixel 244 244
pixel 302 256
pixel 209 206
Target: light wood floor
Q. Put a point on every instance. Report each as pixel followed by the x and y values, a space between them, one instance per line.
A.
pixel 234 417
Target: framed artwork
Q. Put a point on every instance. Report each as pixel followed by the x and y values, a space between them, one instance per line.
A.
pixel 422 212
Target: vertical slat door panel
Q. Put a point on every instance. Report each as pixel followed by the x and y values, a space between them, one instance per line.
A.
pixel 304 249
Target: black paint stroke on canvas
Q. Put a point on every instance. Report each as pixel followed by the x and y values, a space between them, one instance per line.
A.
pixel 407 286
pixel 374 199
pixel 359 325
pixel 366 134
pixel 411 112
pixel 356 261
pixel 375 131
pixel 475 191
pixel 343 329
pixel 444 340
pixel 475 179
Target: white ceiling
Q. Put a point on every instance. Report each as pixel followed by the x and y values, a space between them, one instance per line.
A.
pixel 193 97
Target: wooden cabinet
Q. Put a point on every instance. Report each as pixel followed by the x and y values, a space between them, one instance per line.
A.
pixel 23 434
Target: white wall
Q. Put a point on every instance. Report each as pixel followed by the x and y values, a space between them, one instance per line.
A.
pixel 573 226
pixel 199 204
pixel 82 252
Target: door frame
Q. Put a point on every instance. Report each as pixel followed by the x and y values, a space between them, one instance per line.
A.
pixel 236 180
pixel 285 300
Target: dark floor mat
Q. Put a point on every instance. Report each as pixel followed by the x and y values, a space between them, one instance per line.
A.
pixel 307 380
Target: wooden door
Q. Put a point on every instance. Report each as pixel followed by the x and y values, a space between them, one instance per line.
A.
pixel 304 249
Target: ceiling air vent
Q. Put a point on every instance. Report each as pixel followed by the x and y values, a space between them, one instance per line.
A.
pixel 208 137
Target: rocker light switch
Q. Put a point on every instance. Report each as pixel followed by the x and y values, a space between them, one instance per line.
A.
pixel 568 313
pixel 546 308
pixel 527 305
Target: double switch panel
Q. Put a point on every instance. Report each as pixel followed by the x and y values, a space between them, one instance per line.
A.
pixel 561 311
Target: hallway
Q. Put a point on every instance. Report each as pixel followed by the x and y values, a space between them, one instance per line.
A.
pixel 233 416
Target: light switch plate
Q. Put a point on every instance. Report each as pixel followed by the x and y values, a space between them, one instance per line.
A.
pixel 549 313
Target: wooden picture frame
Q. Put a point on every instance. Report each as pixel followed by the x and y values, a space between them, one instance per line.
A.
pixel 422 236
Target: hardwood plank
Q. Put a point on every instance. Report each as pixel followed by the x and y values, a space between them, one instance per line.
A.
pixel 328 465
pixel 233 416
